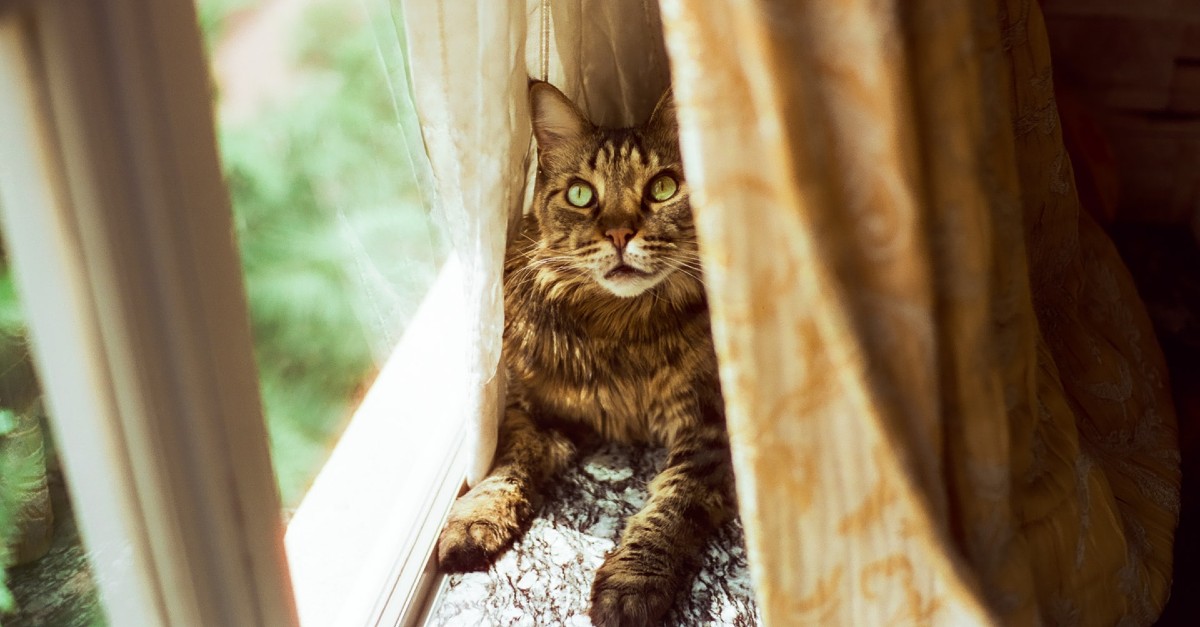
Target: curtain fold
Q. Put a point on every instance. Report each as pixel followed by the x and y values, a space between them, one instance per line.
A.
pixel 945 400
pixel 467 64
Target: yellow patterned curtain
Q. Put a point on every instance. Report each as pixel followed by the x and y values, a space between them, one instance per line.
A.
pixel 945 399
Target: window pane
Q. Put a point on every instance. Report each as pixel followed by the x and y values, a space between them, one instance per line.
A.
pixel 338 248
pixel 45 578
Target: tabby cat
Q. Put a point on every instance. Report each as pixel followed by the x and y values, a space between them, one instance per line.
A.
pixel 606 334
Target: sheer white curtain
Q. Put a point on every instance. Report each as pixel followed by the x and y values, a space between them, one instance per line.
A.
pixel 470 66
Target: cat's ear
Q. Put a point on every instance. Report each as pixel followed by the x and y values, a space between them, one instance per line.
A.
pixel 664 112
pixel 556 120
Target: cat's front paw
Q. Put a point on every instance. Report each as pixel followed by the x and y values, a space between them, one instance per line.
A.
pixel 482 525
pixel 625 595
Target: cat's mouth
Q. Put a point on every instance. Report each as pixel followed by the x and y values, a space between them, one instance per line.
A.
pixel 625 271
pixel 625 280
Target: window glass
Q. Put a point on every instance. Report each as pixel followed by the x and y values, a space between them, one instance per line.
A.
pixel 45 578
pixel 317 137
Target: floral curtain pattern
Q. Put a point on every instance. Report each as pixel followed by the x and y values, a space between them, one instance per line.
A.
pixel 946 402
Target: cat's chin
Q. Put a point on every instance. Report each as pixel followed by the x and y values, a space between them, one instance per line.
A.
pixel 628 283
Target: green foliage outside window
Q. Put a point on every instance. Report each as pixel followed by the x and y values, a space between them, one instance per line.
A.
pixel 23 487
pixel 11 358
pixel 336 245
pixel 7 423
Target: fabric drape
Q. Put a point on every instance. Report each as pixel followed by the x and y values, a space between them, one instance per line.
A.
pixel 945 399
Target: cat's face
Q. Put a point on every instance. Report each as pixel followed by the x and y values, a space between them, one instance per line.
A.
pixel 612 204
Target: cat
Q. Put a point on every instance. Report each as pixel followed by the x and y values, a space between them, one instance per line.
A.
pixel 606 335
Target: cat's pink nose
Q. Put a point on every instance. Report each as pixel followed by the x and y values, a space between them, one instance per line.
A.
pixel 619 236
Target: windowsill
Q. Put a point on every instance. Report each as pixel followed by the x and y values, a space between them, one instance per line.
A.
pixel 360 544
pixel 546 577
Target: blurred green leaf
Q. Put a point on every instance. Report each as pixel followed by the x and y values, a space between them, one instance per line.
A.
pixel 8 421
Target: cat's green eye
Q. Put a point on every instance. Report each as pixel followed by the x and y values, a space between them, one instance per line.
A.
pixel 663 188
pixel 580 194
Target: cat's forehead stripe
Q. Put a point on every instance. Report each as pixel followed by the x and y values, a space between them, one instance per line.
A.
pixel 603 156
pixel 629 151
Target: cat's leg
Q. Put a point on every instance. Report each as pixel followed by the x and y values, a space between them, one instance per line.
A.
pixel 662 544
pixel 492 515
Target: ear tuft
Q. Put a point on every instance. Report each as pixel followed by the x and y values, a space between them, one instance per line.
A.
pixel 664 111
pixel 556 120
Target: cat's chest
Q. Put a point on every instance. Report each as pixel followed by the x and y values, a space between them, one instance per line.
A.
pixel 615 386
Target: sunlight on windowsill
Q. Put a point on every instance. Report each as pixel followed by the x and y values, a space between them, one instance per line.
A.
pixel 370 513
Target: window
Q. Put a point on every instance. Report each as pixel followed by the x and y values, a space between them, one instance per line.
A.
pixel 326 171
pixel 155 332
pixel 337 245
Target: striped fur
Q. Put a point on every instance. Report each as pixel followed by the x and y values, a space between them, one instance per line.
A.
pixel 620 357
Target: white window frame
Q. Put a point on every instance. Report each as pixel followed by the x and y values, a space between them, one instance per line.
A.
pixel 361 542
pixel 120 233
